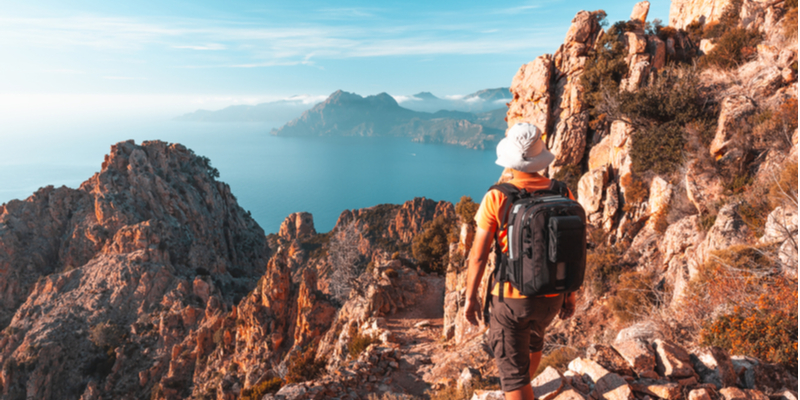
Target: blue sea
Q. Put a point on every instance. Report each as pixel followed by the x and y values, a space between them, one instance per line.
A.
pixel 271 176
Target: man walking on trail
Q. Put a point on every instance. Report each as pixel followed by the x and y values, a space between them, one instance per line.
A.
pixel 518 323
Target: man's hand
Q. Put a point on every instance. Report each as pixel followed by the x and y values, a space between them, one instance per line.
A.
pixel 568 308
pixel 472 310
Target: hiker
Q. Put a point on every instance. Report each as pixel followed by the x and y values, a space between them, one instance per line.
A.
pixel 518 322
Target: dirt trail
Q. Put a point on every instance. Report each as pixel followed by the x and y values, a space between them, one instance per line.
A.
pixel 418 344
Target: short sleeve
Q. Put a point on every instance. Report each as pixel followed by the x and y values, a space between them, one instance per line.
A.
pixel 486 217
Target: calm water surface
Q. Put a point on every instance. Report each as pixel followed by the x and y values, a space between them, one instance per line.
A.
pixel 271 176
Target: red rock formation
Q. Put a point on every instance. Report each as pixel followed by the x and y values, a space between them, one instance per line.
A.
pixel 90 275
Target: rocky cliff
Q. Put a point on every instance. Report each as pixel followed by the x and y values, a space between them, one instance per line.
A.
pixel 149 281
pixel 131 260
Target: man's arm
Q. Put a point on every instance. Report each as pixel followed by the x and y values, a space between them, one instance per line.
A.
pixel 481 246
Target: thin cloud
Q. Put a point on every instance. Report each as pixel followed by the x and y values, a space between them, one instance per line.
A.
pixel 213 46
pixel 253 45
pixel 124 78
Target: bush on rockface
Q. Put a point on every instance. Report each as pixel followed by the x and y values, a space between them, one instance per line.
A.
pixel 304 366
pixel 571 175
pixel 466 210
pixel 431 246
pixel 603 269
pixel 258 391
pixel 767 331
pixel 604 69
pixel 737 301
pixel 559 359
pixel 659 112
pixel 732 49
pixel 773 127
pixel 634 295
pixel 635 192
pixel 358 342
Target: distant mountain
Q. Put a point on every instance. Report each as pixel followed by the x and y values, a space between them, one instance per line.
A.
pixel 348 114
pixel 480 101
pixel 277 112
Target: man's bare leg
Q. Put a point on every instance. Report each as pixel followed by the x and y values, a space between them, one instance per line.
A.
pixel 536 358
pixel 523 393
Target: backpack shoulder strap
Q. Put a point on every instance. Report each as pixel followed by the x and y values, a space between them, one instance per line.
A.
pixel 559 187
pixel 512 194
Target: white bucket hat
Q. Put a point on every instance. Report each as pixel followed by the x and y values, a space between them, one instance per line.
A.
pixel 523 149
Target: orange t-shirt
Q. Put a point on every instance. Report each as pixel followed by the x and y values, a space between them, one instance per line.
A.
pixel 488 216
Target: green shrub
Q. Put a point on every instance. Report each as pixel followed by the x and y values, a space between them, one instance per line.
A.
pixel 258 391
pixel 358 343
pixel 767 331
pixel 466 210
pixel 658 148
pixel 634 296
pixel 571 175
pixel 727 21
pixel 733 48
pixel 558 359
pixel 304 366
pixel 707 221
pixel 431 246
pixel 604 69
pixel 635 192
pixel 773 128
pixel 603 266
pixel 107 335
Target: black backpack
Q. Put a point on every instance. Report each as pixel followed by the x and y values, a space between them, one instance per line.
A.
pixel 546 241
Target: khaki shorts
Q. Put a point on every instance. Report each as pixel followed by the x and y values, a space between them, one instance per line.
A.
pixel 516 329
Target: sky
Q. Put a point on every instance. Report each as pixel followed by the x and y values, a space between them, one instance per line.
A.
pixel 162 57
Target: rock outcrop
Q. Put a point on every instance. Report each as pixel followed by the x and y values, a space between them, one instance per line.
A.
pixel 133 258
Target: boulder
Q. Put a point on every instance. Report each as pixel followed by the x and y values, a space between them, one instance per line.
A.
pixel 729 229
pixel 569 394
pixel 590 189
pixel 548 384
pixel 637 43
pixel 639 13
pixel 781 225
pixel 610 207
pixel 706 45
pixel 714 366
pixel 733 109
pixel 297 226
pixel 467 377
pixel 767 81
pixel 609 358
pixel 733 393
pixel 671 360
pixel 607 385
pixel 638 354
pixel 703 186
pixel 753 374
pixel 661 389
pixel 700 394
pixel 660 196
pixel 531 93
pixel 658 52
pixel 488 395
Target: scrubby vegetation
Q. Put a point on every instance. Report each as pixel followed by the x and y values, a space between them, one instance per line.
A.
pixel 358 342
pixel 603 267
pixel 466 210
pixel 559 359
pixel 635 191
pixel 258 391
pixel 753 307
pixel 431 246
pixel 634 295
pixel 451 392
pixel 605 67
pixel 304 365
pixel 571 175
